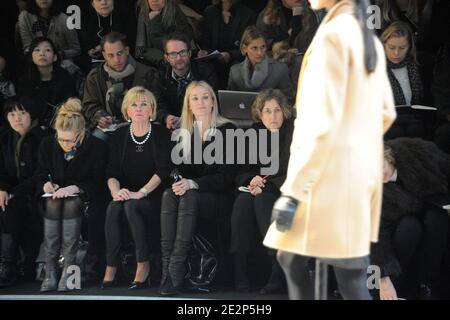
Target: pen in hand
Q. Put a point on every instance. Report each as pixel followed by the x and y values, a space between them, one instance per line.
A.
pixel 52 183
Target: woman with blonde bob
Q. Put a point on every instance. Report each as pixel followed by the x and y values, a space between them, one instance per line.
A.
pixel 70 172
pixel 200 185
pixel 139 162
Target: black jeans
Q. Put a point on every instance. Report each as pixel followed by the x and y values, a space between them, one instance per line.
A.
pixel 143 219
pixel 351 282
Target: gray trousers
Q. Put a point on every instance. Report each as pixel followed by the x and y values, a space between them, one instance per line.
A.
pixel 351 282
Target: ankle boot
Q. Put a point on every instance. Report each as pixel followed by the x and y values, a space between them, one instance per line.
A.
pixel 8 266
pixel 52 244
pixel 241 282
pixel 71 234
pixel 277 281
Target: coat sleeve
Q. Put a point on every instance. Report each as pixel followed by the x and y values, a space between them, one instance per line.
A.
pixel 389 113
pixel 321 105
pixel 43 166
pixel 92 104
pixel 95 183
pixel 26 34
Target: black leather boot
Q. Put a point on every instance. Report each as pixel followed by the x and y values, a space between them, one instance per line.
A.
pixel 71 229
pixel 52 244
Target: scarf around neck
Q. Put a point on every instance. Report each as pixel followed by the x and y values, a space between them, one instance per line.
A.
pixel 414 81
pixel 260 73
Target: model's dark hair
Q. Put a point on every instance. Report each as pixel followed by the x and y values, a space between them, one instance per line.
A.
pixel 55 9
pixel 370 53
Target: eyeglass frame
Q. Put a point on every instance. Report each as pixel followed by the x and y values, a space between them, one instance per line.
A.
pixel 174 54
pixel 74 142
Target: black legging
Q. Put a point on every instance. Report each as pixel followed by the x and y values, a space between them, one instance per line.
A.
pixel 351 282
pixel 250 219
pixel 143 219
pixel 63 209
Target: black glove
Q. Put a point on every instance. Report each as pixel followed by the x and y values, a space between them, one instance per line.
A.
pixel 283 212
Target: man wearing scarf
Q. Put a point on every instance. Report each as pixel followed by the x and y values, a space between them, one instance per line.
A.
pixel 107 84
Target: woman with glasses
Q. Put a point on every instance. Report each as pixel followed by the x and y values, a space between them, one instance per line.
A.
pixel 45 81
pixel 258 71
pixel 138 165
pixel 70 173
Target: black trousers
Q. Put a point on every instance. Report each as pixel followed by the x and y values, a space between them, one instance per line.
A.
pixel 250 220
pixel 432 248
pixel 143 219
pixel 351 282
pixel 23 225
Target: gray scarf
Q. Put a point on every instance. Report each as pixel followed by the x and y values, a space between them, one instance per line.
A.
pixel 260 73
pixel 116 87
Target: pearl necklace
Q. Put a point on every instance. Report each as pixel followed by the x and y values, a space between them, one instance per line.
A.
pixel 140 147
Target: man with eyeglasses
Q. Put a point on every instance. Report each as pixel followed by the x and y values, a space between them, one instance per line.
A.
pixel 107 84
pixel 175 75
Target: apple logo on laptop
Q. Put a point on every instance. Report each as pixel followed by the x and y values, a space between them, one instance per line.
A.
pixel 241 105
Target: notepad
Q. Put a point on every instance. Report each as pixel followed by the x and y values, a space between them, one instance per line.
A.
pixel 213 55
pixel 417 107
pixel 49 195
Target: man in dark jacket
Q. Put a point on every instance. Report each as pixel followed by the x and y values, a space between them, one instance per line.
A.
pixel 107 84
pixel 175 76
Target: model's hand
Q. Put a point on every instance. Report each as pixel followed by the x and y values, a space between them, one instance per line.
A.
pixel 283 212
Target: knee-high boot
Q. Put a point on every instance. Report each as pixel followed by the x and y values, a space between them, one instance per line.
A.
pixel 71 229
pixel 52 244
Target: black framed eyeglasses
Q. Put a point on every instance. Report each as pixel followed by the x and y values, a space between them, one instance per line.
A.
pixel 173 55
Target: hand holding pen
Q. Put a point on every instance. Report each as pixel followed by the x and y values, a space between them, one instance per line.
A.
pixel 50 186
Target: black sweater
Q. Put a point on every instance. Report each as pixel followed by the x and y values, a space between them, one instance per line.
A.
pixel 86 170
pixel 47 94
pixel 134 169
pixel 215 177
pixel 19 182
pixel 248 170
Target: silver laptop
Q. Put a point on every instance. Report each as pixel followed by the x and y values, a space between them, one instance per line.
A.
pixel 236 105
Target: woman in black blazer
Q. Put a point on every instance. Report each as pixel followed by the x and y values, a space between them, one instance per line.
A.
pixel 139 165
pixel 250 219
pixel 71 172
pixel 19 144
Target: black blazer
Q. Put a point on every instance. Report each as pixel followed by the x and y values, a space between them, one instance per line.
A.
pixel 248 170
pixel 86 170
pixel 19 182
